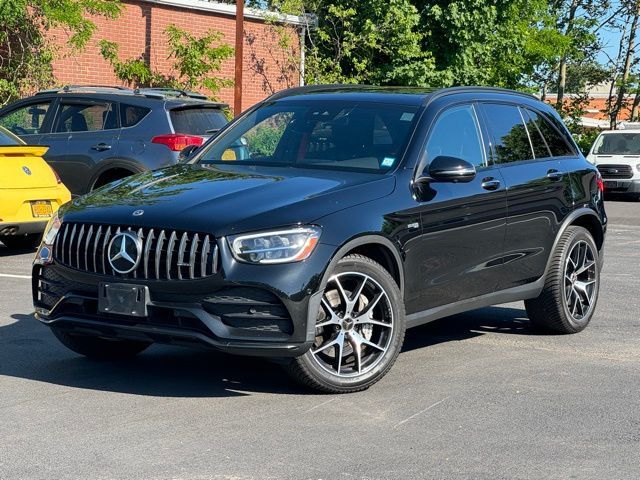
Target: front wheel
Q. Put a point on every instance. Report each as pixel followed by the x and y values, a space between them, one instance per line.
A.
pixel 360 329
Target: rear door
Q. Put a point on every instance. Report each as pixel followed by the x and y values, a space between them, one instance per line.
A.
pixel 92 131
pixel 538 196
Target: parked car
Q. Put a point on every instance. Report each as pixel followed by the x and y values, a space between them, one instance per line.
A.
pixel 100 134
pixel 616 153
pixel 30 192
pixel 325 221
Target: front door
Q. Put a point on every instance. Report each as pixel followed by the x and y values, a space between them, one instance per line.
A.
pixel 462 224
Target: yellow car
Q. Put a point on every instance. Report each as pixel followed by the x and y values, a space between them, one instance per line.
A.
pixel 30 192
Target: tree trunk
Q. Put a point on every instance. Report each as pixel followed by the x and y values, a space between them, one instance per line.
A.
pixel 562 74
pixel 627 67
pixel 634 108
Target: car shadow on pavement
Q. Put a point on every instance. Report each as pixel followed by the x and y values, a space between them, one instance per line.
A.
pixel 28 350
pixel 10 252
pixel 504 320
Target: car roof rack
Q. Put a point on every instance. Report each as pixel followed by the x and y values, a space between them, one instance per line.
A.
pixel 86 88
pixel 170 92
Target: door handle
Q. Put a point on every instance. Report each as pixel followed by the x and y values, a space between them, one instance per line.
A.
pixel 554 175
pixel 101 147
pixel 490 184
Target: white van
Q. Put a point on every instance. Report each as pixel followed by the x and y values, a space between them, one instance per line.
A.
pixel 616 153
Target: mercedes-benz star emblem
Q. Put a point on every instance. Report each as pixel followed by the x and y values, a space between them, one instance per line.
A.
pixel 137 213
pixel 26 170
pixel 125 250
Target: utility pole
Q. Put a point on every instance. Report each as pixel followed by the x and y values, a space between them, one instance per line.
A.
pixel 237 91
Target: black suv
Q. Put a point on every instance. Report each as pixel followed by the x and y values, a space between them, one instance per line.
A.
pixel 323 222
pixel 97 135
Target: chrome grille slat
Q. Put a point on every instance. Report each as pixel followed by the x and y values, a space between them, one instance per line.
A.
pixel 192 256
pixel 172 242
pixel 147 251
pixel 187 256
pixel 203 257
pixel 73 234
pixel 161 238
pixel 95 248
pixel 86 246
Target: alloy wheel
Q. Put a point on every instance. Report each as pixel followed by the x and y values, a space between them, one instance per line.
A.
pixel 580 280
pixel 354 325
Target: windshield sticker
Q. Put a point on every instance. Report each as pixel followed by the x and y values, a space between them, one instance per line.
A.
pixel 406 117
pixel 388 161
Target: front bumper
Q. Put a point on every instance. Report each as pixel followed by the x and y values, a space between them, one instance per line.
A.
pixel 621 186
pixel 246 309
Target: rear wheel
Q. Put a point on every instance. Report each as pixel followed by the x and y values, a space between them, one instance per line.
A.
pixel 99 348
pixel 26 242
pixel 570 294
pixel 360 329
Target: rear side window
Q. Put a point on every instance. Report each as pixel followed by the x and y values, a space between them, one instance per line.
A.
pixel 540 147
pixel 78 117
pixel 510 138
pixel 26 120
pixel 197 121
pixel 555 140
pixel 131 115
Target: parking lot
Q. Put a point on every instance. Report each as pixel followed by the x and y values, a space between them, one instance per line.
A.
pixel 473 396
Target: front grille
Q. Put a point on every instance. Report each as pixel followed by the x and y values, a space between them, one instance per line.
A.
pixel 615 171
pixel 166 254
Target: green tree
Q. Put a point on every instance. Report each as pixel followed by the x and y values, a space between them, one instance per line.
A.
pixel 373 41
pixel 26 53
pixel 195 60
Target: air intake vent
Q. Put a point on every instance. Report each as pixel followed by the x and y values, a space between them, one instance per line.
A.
pixel 166 254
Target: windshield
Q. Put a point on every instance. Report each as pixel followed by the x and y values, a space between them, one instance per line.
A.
pixel 357 136
pixel 8 138
pixel 617 144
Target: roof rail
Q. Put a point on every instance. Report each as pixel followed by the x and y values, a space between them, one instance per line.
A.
pixel 80 88
pixel 288 92
pixel 170 92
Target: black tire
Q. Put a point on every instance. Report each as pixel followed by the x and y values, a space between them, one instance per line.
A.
pixel 99 348
pixel 311 371
pixel 551 311
pixel 22 242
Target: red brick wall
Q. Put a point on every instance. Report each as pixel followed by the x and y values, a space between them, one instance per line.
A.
pixel 139 32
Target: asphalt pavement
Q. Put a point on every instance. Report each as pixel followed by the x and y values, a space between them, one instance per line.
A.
pixel 478 395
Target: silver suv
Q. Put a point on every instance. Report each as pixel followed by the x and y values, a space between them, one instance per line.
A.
pixel 97 135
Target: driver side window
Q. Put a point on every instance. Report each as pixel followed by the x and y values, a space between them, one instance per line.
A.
pixel 27 120
pixel 457 134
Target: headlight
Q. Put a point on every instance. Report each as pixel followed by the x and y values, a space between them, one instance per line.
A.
pixel 51 230
pixel 280 246
pixel 638 167
pixel 44 256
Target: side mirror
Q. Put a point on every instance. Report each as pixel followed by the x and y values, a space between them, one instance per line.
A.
pixel 186 152
pixel 451 169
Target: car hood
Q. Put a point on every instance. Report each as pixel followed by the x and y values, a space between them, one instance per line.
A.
pixel 222 199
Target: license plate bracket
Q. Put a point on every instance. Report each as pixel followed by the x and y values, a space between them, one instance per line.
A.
pixel 41 208
pixel 611 184
pixel 123 299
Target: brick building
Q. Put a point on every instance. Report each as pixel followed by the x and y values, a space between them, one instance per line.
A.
pixel 139 32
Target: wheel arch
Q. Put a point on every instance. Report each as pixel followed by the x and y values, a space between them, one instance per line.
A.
pixel 376 247
pixel 114 165
pixel 582 217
